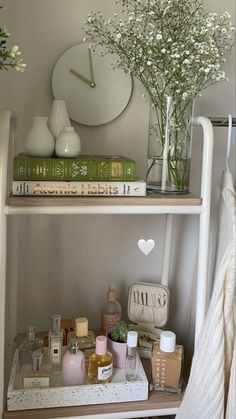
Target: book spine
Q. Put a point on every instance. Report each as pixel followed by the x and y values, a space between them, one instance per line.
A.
pixel 72 169
pixel 56 188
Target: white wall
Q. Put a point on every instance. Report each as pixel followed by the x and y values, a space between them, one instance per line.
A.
pixel 64 264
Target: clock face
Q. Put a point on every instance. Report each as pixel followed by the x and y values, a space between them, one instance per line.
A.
pixel 93 91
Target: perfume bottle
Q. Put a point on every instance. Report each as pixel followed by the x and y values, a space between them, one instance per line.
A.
pixel 85 337
pixel 37 374
pixel 73 365
pixel 111 313
pixel 167 362
pixel 131 365
pixel 28 346
pixel 100 362
pixel 55 340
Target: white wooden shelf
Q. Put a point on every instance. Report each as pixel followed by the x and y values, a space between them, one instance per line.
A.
pixel 157 403
pixel 150 204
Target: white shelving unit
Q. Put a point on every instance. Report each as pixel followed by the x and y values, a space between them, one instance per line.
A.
pixel 158 403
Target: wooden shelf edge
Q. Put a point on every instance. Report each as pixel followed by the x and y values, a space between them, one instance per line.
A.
pixel 156 401
pixel 150 199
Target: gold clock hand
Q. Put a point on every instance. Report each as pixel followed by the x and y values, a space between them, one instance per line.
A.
pixel 77 74
pixel 91 66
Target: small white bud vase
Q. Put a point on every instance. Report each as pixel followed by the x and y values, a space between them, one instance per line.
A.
pixel 68 143
pixel 40 141
pixel 58 118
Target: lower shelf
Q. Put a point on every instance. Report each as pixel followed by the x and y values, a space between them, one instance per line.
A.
pixel 157 404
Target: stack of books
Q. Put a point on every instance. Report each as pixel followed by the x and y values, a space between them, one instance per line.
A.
pixel 85 175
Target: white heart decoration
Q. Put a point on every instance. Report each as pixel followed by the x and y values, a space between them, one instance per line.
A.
pixel 146 246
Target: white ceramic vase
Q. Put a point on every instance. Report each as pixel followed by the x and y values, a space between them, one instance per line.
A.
pixel 58 117
pixel 40 141
pixel 68 143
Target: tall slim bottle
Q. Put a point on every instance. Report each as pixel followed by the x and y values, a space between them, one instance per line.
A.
pixel 111 313
pixel 131 365
pixel 55 340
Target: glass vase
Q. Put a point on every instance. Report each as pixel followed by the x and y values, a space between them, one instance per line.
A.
pixel 169 146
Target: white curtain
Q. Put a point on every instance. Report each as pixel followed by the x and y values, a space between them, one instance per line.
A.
pixel 211 390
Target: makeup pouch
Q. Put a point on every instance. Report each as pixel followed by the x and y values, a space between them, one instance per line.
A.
pixel 148 309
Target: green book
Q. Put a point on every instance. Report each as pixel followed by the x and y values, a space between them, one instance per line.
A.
pixel 85 167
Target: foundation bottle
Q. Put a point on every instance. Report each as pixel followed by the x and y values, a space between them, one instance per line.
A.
pixel 100 366
pixel 167 363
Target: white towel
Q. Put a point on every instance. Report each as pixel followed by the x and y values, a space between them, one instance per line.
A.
pixel 211 390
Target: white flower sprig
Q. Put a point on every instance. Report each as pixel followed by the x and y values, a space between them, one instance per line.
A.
pixel 9 58
pixel 173 47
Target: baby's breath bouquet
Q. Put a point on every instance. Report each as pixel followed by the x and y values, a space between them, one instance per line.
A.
pixel 9 58
pixel 176 49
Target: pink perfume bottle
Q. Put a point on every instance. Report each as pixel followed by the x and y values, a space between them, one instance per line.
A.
pixel 73 365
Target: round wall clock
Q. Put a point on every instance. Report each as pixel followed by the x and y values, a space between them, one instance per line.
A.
pixel 94 92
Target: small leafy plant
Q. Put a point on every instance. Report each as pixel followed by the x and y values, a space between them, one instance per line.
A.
pixel 119 334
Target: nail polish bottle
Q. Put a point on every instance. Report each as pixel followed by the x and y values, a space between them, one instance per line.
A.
pixel 100 367
pixel 167 362
pixel 73 365
pixel 131 366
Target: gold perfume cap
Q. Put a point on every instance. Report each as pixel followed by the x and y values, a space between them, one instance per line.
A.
pixel 81 326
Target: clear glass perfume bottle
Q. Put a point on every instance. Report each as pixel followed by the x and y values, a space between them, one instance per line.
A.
pixel 37 374
pixel 55 340
pixel 111 313
pixel 73 365
pixel 28 346
pixel 131 365
pixel 167 363
pixel 100 367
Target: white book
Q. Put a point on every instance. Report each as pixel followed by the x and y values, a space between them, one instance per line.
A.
pixel 93 188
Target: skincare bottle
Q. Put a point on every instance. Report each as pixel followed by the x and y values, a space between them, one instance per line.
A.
pixel 28 346
pixel 111 313
pixel 100 362
pixel 37 374
pixel 73 365
pixel 131 366
pixel 167 362
pixel 55 340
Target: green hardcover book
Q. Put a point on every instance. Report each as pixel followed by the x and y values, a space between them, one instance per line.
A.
pixel 85 167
